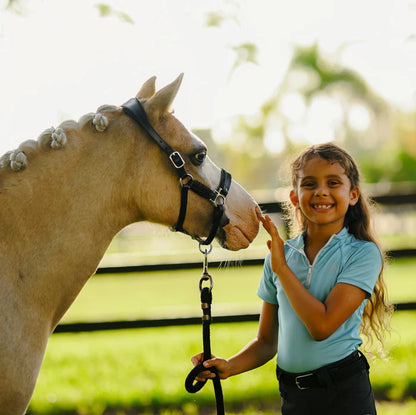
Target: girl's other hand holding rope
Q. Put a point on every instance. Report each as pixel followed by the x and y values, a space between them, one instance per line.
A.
pixel 220 364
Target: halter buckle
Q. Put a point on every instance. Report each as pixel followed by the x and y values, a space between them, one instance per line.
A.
pixel 177 160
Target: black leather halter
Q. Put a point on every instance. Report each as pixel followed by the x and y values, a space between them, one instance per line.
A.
pixel 135 110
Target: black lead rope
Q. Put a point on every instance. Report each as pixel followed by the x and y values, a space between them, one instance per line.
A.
pixel 206 301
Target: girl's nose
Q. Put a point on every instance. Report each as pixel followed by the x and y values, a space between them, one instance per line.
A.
pixel 322 190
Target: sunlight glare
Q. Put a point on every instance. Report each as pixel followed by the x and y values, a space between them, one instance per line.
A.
pixel 292 106
pixel 359 118
pixel 322 117
pixel 274 141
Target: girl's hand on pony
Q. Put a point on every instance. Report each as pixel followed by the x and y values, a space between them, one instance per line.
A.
pixel 275 245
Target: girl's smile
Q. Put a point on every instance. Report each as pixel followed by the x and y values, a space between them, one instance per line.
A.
pixel 322 207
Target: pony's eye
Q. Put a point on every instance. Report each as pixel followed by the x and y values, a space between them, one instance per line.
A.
pixel 198 158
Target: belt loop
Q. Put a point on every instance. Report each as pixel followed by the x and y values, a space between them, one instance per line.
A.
pixel 363 359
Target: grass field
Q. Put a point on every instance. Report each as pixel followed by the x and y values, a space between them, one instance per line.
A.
pixel 143 371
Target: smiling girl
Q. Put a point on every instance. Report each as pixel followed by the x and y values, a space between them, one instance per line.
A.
pixel 318 290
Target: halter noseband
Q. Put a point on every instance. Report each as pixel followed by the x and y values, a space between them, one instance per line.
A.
pixel 135 110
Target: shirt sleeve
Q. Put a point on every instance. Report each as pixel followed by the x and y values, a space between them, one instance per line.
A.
pixel 267 289
pixel 363 267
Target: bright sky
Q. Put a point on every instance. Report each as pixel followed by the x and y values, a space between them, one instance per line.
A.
pixel 60 60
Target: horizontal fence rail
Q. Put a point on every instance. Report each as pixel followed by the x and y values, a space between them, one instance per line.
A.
pixel 169 322
pixel 399 253
pixel 273 207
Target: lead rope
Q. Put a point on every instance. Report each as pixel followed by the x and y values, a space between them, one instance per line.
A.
pixel 206 301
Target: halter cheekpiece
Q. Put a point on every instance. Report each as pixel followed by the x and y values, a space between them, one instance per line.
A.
pixel 134 109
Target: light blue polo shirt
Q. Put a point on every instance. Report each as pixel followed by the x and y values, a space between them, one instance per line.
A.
pixel 343 259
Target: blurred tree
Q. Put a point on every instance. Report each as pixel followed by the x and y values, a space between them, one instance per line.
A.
pixel 318 89
pixel 105 11
pixel 244 52
pixel 14 6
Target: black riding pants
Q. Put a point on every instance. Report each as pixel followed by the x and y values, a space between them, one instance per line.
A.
pixel 352 395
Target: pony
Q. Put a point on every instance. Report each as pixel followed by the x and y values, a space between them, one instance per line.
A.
pixel 63 198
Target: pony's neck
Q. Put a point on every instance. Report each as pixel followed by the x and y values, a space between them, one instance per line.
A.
pixel 56 237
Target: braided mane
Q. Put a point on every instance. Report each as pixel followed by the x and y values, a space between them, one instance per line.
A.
pixel 54 138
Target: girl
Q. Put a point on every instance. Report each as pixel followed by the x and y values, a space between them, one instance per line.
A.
pixel 318 289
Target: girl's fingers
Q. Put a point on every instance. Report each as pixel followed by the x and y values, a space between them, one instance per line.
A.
pixel 205 375
pixel 269 225
pixel 209 363
pixel 197 359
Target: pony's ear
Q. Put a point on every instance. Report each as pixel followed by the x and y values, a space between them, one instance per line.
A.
pixel 161 102
pixel 148 89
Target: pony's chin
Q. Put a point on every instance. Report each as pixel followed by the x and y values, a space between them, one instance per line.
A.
pixel 233 238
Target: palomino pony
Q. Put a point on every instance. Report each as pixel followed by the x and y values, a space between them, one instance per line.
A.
pixel 65 196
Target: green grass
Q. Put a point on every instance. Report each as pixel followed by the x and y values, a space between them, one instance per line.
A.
pixel 146 368
pixel 93 372
pixel 138 368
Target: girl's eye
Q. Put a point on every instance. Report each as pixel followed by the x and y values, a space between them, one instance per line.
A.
pixel 307 184
pixel 333 183
pixel 198 158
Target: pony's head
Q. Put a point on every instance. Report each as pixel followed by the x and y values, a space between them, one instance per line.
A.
pixel 160 195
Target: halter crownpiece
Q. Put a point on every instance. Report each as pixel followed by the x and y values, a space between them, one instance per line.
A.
pixel 134 109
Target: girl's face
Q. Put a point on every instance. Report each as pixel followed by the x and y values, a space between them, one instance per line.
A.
pixel 323 194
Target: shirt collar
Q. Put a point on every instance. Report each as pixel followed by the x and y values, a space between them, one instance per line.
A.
pixel 298 241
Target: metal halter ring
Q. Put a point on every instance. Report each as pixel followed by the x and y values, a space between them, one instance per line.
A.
pixel 219 199
pixel 186 180
pixel 207 248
